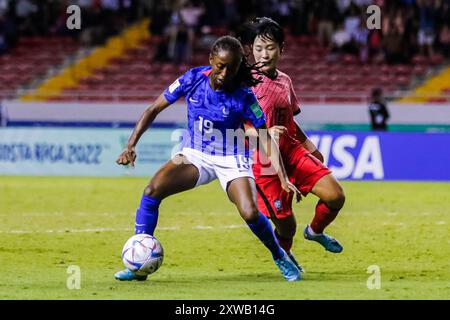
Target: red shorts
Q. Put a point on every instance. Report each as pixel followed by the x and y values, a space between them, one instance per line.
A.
pixel 303 169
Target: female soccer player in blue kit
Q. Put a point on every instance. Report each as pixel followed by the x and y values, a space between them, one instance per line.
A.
pixel 218 100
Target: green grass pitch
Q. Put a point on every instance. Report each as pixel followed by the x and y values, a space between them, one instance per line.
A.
pixel 48 224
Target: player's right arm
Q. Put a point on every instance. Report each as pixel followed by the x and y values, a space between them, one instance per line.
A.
pixel 128 155
pixel 277 131
pixel 176 90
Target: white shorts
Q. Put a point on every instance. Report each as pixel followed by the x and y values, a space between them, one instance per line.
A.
pixel 224 168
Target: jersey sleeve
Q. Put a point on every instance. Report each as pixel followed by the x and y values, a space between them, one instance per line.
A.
pixel 179 87
pixel 253 112
pixel 294 100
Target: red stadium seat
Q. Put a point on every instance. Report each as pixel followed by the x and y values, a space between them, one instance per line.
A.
pixel 419 69
pixel 402 69
pixel 134 77
pixel 32 58
pixel 436 59
pixel 402 80
pixel 349 59
pixel 419 60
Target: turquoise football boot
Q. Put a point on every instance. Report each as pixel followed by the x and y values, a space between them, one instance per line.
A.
pixel 299 267
pixel 128 275
pixel 288 269
pixel 328 242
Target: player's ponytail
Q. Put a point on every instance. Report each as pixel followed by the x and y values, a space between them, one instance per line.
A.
pixel 246 72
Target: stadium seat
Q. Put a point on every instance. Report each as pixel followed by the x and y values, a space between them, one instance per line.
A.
pixel 132 76
pixel 31 59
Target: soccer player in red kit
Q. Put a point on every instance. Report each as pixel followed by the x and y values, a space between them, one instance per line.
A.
pixel 276 96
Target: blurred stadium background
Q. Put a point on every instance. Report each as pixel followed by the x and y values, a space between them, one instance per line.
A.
pixel 69 98
pixel 126 52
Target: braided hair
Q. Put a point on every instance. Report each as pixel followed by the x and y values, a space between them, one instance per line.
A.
pixel 246 71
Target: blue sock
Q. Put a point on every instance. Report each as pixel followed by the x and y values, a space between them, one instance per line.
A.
pixel 263 230
pixel 147 215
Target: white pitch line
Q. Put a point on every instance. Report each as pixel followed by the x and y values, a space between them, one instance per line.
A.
pixel 61 231
pixel 234 226
pixel 56 213
pixel 113 229
pixel 231 226
pixel 77 230
pixel 89 214
pixel 202 227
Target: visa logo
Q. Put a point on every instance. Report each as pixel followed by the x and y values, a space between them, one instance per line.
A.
pixel 349 158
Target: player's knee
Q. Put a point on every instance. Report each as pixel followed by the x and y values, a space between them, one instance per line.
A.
pixel 249 212
pixel 151 190
pixel 287 229
pixel 338 199
pixel 290 231
pixel 287 233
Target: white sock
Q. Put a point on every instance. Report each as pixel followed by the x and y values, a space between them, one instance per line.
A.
pixel 311 231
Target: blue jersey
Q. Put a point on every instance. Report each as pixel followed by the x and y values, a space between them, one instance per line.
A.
pixel 215 118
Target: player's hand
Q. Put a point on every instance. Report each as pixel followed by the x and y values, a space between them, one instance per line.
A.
pixel 260 64
pixel 128 156
pixel 318 155
pixel 290 187
pixel 277 131
pixel 308 145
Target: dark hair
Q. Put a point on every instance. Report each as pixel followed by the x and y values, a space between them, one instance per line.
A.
pixel 265 28
pixel 246 70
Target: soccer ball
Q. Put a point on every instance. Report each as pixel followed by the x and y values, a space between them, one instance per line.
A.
pixel 143 254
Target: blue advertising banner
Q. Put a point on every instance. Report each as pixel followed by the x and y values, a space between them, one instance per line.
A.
pixel 92 152
pixel 385 155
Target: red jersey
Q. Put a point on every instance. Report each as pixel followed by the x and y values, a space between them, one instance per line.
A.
pixel 279 102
